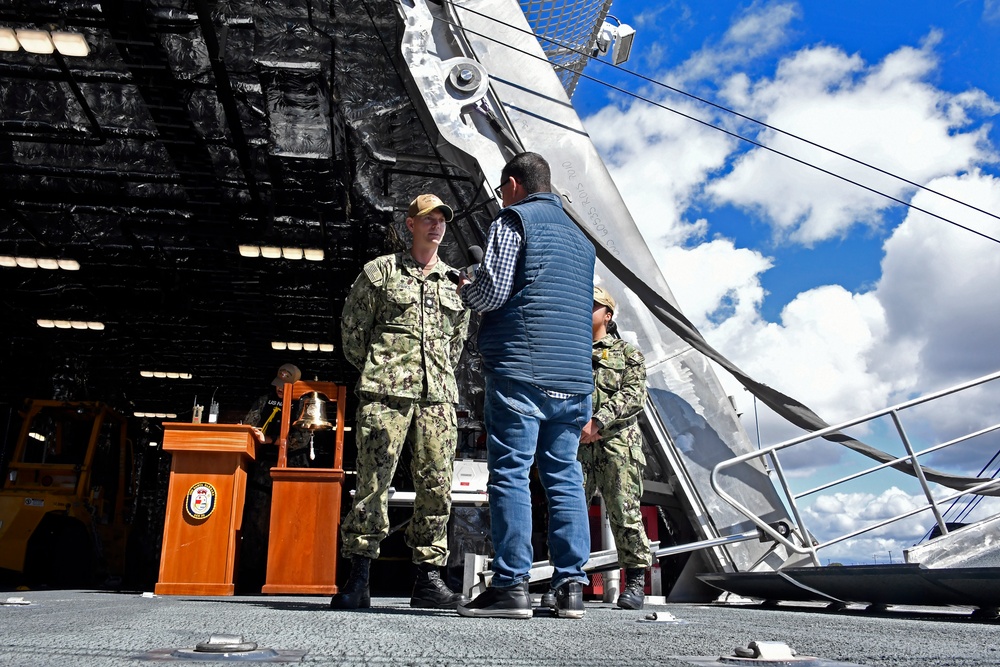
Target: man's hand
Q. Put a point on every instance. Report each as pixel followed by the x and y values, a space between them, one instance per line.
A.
pixel 590 431
pixel 463 280
pixel 261 438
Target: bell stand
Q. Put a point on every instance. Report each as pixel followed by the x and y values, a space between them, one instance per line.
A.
pixel 305 507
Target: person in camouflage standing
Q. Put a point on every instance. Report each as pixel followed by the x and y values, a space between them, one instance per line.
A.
pixel 611 446
pixel 404 328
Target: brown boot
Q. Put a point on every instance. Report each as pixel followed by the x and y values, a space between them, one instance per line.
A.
pixel 354 594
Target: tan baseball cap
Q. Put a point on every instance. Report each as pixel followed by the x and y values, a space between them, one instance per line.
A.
pixel 292 370
pixel 424 204
pixel 603 297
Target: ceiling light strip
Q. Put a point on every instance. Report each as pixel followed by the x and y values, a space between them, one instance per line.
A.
pixel 306 347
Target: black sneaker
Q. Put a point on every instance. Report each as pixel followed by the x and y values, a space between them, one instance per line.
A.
pixel 548 600
pixel 569 600
pixel 496 602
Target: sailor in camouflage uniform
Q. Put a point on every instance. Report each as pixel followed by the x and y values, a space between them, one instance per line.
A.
pixel 404 328
pixel 611 446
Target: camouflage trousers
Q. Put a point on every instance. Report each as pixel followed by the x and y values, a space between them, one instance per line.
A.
pixel 383 428
pixel 614 467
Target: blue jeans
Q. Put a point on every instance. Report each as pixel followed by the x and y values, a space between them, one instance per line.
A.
pixel 524 424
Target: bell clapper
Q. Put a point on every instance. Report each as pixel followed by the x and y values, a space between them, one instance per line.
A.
pixel 312 451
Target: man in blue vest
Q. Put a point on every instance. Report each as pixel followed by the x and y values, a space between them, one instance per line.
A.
pixel 534 288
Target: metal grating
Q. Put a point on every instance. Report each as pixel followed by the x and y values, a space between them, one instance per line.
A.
pixel 567 29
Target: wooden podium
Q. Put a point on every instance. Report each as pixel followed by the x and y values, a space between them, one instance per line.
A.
pixel 305 508
pixel 204 506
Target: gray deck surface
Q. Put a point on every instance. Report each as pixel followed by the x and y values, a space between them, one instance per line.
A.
pixel 69 628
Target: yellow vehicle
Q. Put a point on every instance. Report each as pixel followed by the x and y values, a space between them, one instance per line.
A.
pixel 66 492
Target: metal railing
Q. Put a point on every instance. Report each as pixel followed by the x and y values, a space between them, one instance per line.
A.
pixel 806 545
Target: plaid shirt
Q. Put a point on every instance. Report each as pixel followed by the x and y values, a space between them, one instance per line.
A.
pixel 494 278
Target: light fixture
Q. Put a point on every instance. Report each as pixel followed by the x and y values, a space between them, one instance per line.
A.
pixel 43 42
pixel 296 346
pixel 70 44
pixel 171 375
pixel 39 263
pixel 621 34
pixel 69 324
pixel 8 40
pixel 36 436
pixel 35 41
pixel 287 252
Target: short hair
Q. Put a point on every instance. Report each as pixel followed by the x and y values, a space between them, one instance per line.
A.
pixel 531 170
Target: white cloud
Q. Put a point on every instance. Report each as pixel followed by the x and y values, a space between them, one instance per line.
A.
pixel 887 113
pixel 837 514
pixel 991 11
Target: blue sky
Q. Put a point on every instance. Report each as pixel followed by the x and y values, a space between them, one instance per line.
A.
pixel 834 295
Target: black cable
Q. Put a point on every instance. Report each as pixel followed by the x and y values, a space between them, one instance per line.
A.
pixel 734 134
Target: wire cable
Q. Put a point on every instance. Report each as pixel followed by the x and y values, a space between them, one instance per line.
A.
pixel 731 133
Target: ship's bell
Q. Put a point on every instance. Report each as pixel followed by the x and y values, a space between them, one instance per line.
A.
pixel 312 412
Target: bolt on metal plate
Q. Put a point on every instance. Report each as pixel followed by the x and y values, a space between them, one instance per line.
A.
pixel 765 654
pixel 225 648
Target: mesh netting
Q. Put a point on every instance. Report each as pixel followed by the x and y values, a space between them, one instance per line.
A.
pixel 565 27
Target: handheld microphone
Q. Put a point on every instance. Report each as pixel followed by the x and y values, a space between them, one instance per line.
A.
pixel 475 257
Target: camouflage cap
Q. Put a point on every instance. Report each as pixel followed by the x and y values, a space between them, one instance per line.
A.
pixel 424 204
pixel 603 297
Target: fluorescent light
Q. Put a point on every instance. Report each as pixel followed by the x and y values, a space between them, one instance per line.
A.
pixel 314 254
pixel 295 347
pixel 138 414
pixel 172 375
pixel 26 262
pixel 249 251
pixel 46 324
pixel 326 347
pixel 159 374
pixel 96 326
pixel 62 324
pixel 291 253
pixel 69 265
pixel 278 345
pixel 146 374
pixel 35 41
pixel 161 415
pixel 270 251
pixel 153 444
pixel 78 325
pixel 6 260
pixel 171 415
pixel 36 436
pixel 8 40
pixel 186 376
pixel 49 264
pixel 310 347
pixel 70 44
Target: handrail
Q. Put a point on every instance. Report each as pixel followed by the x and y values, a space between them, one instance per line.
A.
pixel 809 546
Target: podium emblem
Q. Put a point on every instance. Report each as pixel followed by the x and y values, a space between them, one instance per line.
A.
pixel 200 501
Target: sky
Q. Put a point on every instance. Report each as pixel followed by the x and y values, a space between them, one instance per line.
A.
pixel 831 290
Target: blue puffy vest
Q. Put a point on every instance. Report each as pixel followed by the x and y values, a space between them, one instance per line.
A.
pixel 543 333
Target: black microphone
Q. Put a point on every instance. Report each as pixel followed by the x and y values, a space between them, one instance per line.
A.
pixel 475 257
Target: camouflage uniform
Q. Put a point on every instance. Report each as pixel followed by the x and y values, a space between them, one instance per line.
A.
pixel 404 331
pixel 613 465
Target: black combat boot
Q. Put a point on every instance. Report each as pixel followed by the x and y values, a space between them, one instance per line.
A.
pixel 635 584
pixel 354 594
pixel 430 591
